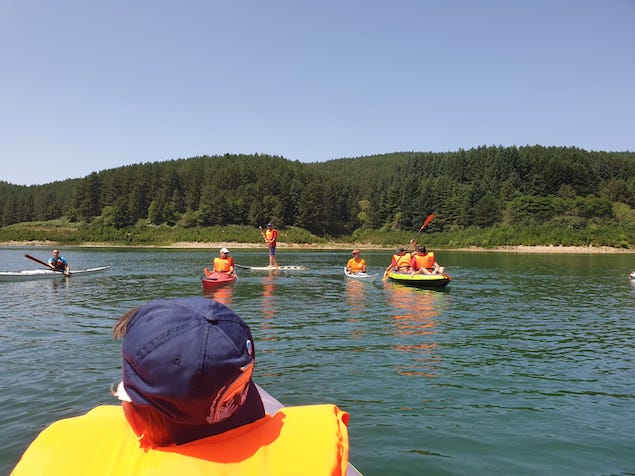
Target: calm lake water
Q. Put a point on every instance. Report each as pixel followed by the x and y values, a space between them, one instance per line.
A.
pixel 525 365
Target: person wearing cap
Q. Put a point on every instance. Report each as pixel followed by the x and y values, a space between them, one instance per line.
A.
pixel 270 236
pixel 189 406
pixel 356 264
pixel 224 263
pixel 400 262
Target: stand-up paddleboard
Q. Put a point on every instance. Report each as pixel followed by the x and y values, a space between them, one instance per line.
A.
pixel 360 275
pixel 272 268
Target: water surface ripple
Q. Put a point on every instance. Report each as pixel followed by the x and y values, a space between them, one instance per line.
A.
pixel 525 365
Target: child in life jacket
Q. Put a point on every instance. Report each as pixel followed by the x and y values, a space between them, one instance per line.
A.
pixel 400 262
pixel 189 406
pixel 424 262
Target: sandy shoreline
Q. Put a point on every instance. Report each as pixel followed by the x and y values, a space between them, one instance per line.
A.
pixel 332 246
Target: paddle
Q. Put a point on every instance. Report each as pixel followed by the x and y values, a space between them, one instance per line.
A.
pixel 425 224
pixel 241 266
pixel 44 263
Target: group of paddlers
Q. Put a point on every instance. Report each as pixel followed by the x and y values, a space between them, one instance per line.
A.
pixel 419 261
pixel 225 263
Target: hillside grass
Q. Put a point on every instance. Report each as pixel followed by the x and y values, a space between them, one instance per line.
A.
pixel 143 234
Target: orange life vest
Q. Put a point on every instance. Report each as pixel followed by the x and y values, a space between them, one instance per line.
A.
pixel 223 264
pixel 402 262
pixel 271 236
pixel 307 440
pixel 356 265
pixel 426 261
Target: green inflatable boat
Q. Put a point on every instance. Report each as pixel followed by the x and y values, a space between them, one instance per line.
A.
pixel 420 280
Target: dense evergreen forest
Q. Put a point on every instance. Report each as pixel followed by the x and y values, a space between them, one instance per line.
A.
pixel 487 188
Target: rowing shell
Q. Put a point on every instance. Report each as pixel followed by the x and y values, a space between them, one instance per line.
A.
pixel 44 273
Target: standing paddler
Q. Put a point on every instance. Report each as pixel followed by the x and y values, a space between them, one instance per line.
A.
pixel 270 235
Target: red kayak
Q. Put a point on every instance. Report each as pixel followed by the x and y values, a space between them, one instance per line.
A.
pixel 213 279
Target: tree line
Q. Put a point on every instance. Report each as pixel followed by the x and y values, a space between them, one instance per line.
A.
pixel 563 187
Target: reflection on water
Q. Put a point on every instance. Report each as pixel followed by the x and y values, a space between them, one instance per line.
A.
pixel 223 294
pixel 541 343
pixel 355 297
pixel 414 313
pixel 63 283
pixel 357 305
pixel 268 299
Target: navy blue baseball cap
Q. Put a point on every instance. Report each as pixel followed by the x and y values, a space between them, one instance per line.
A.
pixel 192 360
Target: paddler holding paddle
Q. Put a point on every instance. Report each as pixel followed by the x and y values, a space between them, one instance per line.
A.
pixel 401 260
pixel 59 263
pixel 270 235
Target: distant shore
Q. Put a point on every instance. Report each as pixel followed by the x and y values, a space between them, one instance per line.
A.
pixel 332 246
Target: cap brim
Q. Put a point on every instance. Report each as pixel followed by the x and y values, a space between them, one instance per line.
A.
pixel 252 410
pixel 121 393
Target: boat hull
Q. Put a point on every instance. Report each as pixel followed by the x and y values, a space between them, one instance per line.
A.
pixel 28 275
pixel 364 276
pixel 214 280
pixel 429 281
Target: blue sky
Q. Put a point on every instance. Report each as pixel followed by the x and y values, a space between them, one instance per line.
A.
pixel 88 86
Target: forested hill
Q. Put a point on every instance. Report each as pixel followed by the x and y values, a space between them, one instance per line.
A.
pixel 485 186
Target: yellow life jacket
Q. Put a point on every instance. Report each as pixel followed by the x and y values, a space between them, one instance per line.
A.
pixel 222 264
pixel 271 236
pixel 307 440
pixel 403 262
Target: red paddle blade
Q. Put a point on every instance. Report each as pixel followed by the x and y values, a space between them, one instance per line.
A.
pixel 428 220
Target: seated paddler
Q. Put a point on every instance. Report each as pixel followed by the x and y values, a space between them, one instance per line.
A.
pixel 400 262
pixel 189 405
pixel 223 263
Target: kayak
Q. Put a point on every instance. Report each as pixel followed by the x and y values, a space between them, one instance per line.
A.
pixel 420 280
pixel 215 279
pixel 27 275
pixel 360 275
pixel 273 268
